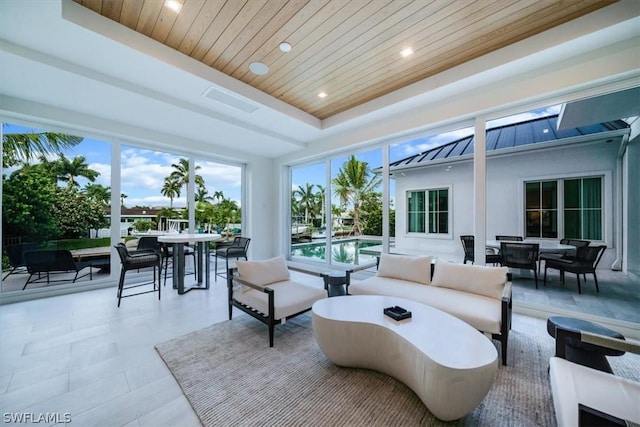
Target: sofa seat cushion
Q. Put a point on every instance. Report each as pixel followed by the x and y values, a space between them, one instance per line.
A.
pixel 481 312
pixel 573 384
pixel 289 298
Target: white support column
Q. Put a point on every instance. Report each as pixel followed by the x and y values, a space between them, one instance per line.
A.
pixel 116 209
pixel 479 190
pixel 386 197
pixel 191 200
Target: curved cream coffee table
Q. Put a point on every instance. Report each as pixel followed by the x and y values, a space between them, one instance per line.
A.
pixel 447 363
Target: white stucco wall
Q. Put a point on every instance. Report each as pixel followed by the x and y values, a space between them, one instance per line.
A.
pixel 505 198
pixel 633 206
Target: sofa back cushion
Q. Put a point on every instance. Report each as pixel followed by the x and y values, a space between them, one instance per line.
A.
pixel 476 279
pixel 412 269
pixel 263 273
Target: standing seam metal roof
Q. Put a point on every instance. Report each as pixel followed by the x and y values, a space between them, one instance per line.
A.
pixel 508 136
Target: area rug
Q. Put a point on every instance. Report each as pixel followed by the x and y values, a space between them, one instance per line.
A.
pixel 232 377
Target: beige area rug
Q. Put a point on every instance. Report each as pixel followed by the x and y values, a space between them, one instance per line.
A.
pixel 232 378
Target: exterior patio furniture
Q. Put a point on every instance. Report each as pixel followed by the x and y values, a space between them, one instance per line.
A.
pixel 238 249
pixel 520 255
pixel 510 238
pixel 150 243
pixel 15 253
pixel 53 261
pixel 563 255
pixel 585 262
pixel 468 244
pixel 135 261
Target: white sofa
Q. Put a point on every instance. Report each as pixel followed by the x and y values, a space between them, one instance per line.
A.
pixel 480 296
pixel 267 291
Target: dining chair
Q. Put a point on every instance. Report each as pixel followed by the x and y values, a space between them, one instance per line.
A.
pixel 237 249
pixel 586 261
pixel 520 255
pixel 136 261
pixel 562 255
pixel 468 245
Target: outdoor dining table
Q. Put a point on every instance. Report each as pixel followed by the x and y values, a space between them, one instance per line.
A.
pixel 544 246
pixel 178 241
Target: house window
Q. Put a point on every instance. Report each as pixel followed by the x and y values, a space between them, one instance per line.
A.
pixel 432 216
pixel 581 207
pixel 542 208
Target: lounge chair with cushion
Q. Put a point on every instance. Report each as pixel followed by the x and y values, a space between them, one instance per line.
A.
pixel 266 291
pixel 53 261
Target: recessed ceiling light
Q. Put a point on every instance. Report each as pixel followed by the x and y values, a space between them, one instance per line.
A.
pixel 322 95
pixel 258 68
pixel 406 52
pixel 285 47
pixel 545 130
pixel 173 5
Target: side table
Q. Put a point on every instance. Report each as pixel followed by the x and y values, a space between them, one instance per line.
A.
pixel 576 351
pixel 335 283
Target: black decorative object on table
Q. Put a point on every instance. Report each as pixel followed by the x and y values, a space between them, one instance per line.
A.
pixel 397 313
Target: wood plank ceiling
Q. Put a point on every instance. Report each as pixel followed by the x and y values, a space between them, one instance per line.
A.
pixel 348 49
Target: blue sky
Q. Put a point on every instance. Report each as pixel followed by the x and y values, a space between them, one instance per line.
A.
pixel 143 171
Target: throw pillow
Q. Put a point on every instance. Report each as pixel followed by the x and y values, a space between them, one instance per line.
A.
pixel 476 279
pixel 263 273
pixel 412 269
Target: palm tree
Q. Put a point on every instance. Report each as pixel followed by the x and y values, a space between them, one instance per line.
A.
pixel 319 204
pixel 98 193
pixel 122 197
pixel 171 189
pixel 181 174
pixel 306 199
pixel 23 147
pixel 67 170
pixel 218 195
pixel 353 184
pixel 202 195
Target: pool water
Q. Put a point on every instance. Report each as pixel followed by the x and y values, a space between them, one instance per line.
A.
pixel 345 251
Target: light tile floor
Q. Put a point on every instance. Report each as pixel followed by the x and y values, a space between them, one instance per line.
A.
pixel 79 354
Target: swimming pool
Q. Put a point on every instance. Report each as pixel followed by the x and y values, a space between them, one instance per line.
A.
pixel 345 251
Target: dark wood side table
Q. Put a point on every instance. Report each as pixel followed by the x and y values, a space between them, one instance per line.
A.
pixel 576 351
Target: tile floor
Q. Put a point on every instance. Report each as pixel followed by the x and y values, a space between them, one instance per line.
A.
pixel 79 354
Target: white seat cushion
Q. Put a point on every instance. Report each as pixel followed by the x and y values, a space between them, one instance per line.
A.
pixel 289 298
pixel 572 384
pixel 481 312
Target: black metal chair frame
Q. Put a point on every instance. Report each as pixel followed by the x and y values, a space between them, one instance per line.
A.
pixel 563 255
pixel 468 245
pixel 53 261
pixel 15 253
pixel 136 261
pixel 586 261
pixel 237 249
pixel 528 252
pixel 266 318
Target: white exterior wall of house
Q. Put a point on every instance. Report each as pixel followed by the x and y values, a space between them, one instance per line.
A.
pixel 505 196
pixel 632 205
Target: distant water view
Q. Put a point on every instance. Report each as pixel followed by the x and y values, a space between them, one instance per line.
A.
pixel 346 251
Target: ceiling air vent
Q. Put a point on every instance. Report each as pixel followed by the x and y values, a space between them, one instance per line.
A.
pixel 230 100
